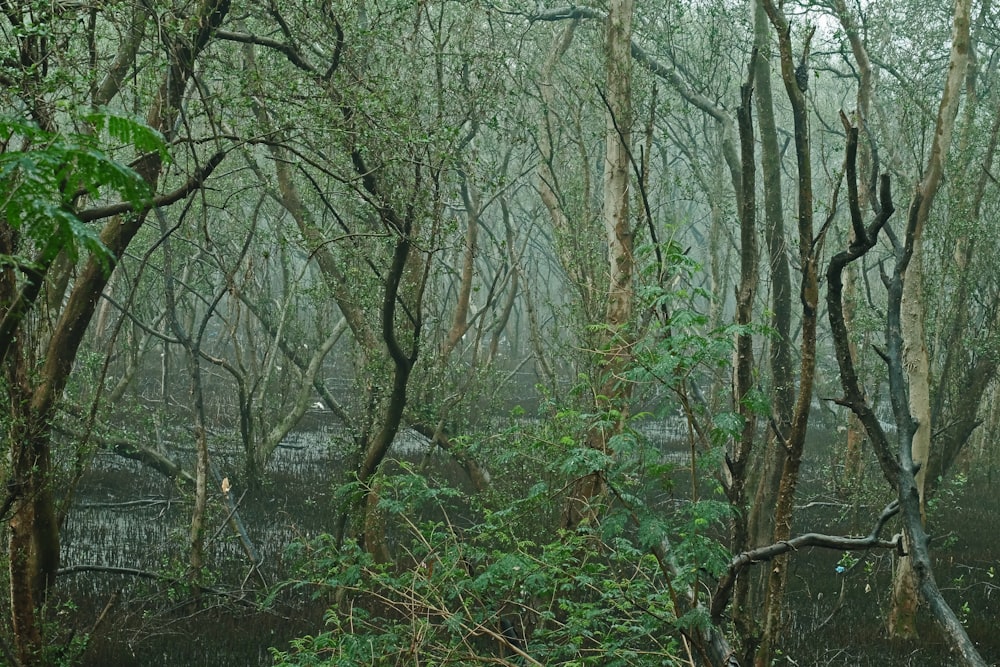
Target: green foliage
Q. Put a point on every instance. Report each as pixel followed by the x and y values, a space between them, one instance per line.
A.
pixel 947 499
pixel 846 562
pixel 40 182
pixel 597 596
pixel 66 647
pixel 574 600
pixel 618 591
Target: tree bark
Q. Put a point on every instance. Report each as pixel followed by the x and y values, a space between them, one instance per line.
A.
pixel 794 441
pixel 761 518
pixel 614 390
pixel 743 384
pixel 853 457
pixel 902 620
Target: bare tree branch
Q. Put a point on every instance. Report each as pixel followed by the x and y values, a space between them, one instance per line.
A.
pixel 195 182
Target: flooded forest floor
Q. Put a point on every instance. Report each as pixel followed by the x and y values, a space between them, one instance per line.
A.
pixel 129 518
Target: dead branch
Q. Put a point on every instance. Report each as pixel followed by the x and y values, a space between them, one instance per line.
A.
pixel 723 591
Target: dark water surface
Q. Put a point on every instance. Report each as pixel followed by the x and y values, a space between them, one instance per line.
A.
pixel 841 619
pixel 128 517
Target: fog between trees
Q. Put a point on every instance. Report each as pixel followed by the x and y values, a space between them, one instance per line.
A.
pixel 560 246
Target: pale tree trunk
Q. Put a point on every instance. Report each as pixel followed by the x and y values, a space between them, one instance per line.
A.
pixel 460 319
pixel 513 287
pixel 618 236
pixel 543 366
pixel 962 383
pixel 902 620
pixel 618 121
pixel 567 250
pixel 719 249
pixel 191 339
pixel 197 533
pixel 190 344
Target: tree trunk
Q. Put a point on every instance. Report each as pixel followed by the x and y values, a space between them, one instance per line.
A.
pixel 614 391
pixel 853 468
pixel 899 468
pixel 33 541
pixel 460 318
pixel 915 357
pixel 761 518
pixel 743 385
pixel 794 441
pixel 400 275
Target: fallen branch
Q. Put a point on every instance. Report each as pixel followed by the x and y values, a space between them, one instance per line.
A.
pixel 142 502
pixel 155 576
pixel 131 450
pixel 723 592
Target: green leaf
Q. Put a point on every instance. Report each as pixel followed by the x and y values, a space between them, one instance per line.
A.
pixel 39 185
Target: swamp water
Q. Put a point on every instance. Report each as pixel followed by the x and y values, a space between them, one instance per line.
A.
pixel 128 517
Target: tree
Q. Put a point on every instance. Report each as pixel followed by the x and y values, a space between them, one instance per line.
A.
pixel 616 339
pixel 916 359
pixel 382 186
pixel 33 394
pixel 901 469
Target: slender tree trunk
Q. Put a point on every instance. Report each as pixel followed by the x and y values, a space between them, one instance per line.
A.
pixel 614 390
pixel 403 290
pixel 33 540
pixel 191 345
pixel 373 525
pixel 780 357
pixel 460 318
pixel 794 441
pixel 564 233
pixel 743 385
pixel 197 535
pixel 916 361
